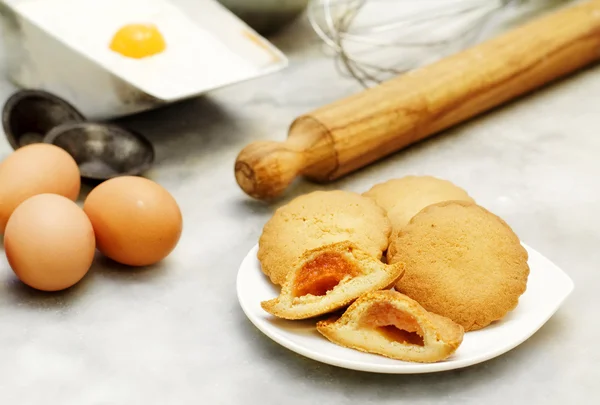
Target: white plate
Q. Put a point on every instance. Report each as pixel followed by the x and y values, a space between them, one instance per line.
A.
pixel 547 288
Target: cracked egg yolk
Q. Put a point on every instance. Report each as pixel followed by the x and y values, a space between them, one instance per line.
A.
pixel 138 41
pixel 322 274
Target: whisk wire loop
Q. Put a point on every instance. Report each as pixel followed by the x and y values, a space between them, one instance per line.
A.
pixel 417 30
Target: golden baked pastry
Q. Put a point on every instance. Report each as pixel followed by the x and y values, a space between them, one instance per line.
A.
pixel 318 219
pixel 329 278
pixel 404 197
pixel 393 325
pixel 462 262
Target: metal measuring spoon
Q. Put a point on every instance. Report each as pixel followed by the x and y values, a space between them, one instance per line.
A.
pixel 103 151
pixel 28 115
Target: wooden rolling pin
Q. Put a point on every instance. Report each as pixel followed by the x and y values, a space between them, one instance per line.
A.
pixel 351 133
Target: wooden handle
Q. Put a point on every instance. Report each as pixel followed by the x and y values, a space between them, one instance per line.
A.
pixel 353 132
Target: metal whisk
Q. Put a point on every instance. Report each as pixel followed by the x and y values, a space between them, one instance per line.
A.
pixel 378 39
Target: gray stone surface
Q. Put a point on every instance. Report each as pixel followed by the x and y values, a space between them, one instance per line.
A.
pixel 174 334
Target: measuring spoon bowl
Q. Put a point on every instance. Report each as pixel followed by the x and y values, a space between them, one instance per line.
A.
pixel 103 151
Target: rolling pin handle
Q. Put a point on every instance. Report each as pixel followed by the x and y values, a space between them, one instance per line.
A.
pixel 264 169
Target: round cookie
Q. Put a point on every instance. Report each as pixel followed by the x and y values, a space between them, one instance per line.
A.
pixel 462 262
pixel 404 197
pixel 318 219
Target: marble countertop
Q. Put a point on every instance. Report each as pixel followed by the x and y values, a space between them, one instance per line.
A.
pixel 174 333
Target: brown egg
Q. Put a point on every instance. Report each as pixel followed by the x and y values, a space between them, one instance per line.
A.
pixel 36 169
pixel 49 242
pixel 136 221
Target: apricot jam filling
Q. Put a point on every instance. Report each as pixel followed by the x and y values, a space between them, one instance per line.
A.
pixel 394 324
pixel 323 274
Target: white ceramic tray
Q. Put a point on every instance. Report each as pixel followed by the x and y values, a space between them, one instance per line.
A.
pixel 62 46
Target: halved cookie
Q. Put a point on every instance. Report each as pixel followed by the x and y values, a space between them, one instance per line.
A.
pixel 329 278
pixel 393 325
pixel 318 219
